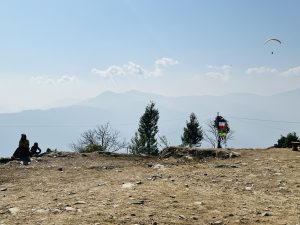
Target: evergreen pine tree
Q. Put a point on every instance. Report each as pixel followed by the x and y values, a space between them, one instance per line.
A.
pixel 145 140
pixel 192 133
pixel 135 146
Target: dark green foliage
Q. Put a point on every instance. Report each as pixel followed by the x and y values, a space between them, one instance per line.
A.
pixel 136 145
pixel 192 133
pixel 286 142
pixel 92 148
pixel 145 140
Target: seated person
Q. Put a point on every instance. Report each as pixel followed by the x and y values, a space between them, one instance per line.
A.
pixel 22 152
pixel 35 149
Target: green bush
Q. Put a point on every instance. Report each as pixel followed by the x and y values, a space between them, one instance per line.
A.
pixel 92 148
pixel 286 142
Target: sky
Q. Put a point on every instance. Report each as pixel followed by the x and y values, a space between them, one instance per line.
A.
pixel 59 52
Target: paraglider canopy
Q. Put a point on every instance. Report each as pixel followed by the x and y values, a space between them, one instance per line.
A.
pixel 273 40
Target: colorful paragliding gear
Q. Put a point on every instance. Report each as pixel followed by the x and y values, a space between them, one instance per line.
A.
pixel 222 128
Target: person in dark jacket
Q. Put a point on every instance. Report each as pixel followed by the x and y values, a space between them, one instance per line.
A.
pixel 22 152
pixel 35 150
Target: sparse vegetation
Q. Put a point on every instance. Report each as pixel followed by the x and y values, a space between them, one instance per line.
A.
pixel 101 139
pixel 163 142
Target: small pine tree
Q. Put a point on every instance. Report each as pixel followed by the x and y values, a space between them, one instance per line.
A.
pixel 192 133
pixel 145 140
pixel 136 146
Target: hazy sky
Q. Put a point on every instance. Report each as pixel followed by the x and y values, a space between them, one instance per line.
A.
pixel 54 52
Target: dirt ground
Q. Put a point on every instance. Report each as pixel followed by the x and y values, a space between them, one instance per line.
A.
pixel 260 187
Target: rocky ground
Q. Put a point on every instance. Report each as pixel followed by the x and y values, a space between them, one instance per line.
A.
pixel 260 187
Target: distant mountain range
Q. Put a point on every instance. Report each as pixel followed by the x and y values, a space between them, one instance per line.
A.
pixel 258 121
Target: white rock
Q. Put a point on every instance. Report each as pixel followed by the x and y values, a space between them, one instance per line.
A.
pixel 198 203
pixel 128 185
pixel 248 188
pixel 217 222
pixel 41 211
pixel 14 210
pixel 158 166
pixel 69 209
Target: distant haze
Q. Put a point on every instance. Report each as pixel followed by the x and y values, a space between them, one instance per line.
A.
pixel 258 121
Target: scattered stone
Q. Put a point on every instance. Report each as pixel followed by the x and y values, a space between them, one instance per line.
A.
pixel 188 157
pixel 3 189
pixel 42 211
pixel 56 211
pixel 138 202
pixel 266 214
pixel 154 177
pixel 79 203
pixel 244 220
pixel 60 169
pixel 139 182
pixel 158 166
pixel 226 166
pixel 198 203
pixel 248 188
pixel 197 153
pixel 128 185
pixel 234 155
pixel 182 217
pixel 70 209
pixel 219 222
pixel 14 210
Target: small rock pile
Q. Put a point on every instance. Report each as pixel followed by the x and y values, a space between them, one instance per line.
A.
pixel 199 153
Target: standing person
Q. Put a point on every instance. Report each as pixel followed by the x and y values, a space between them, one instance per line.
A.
pixel 22 152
